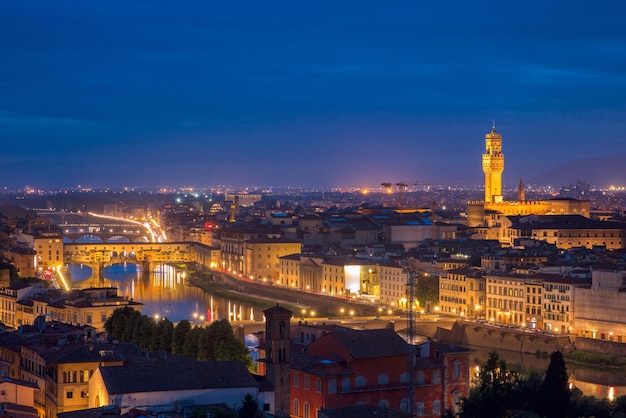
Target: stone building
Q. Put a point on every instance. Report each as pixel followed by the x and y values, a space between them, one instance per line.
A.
pixel 493 166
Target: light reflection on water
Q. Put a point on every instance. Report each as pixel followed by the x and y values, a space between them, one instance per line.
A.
pixel 164 292
pixel 591 382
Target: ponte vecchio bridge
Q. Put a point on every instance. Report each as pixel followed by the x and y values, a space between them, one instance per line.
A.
pixel 147 255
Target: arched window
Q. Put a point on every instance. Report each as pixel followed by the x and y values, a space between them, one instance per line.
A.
pixel 421 379
pixel 359 381
pixel 383 379
pixel 404 377
pixel 296 407
pixel 383 403
pixel 404 405
pixel 306 410
pixel 456 369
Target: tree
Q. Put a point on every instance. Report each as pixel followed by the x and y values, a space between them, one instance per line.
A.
pixel 118 321
pixel 129 329
pixel 192 340
pixel 554 397
pixel 496 393
pixel 164 334
pixel 180 333
pixel 249 407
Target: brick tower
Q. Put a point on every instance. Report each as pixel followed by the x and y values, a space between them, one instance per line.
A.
pixel 277 342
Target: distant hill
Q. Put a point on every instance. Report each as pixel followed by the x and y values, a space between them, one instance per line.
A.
pixel 597 171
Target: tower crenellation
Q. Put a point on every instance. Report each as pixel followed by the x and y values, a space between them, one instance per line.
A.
pixel 493 166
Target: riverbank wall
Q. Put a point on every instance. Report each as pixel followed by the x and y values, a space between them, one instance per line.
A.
pixel 322 304
pixel 468 333
pixel 600 346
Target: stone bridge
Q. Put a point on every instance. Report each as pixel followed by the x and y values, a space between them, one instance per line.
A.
pixel 148 255
pixel 107 232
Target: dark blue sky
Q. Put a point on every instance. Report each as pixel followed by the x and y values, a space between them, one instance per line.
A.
pixel 326 93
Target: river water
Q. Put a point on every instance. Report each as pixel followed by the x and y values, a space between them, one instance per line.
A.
pixel 165 292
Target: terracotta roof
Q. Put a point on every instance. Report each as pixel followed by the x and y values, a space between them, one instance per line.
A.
pixel 277 310
pixel 176 375
pixel 267 240
pixel 369 343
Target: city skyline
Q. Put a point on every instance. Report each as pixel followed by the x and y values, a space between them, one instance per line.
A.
pixel 350 94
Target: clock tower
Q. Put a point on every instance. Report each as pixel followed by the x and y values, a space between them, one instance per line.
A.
pixel 493 166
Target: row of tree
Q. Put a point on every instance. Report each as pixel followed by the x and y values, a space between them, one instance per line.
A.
pixel 500 391
pixel 215 342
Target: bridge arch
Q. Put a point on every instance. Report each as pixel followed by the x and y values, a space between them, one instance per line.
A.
pixel 89 239
pixel 118 239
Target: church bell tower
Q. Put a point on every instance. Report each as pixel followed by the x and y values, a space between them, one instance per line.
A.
pixel 493 166
pixel 278 366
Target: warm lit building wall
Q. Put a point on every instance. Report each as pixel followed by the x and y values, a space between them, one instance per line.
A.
pixel 207 256
pixel 232 241
pixel 453 292
pixel 506 299
pixel 476 295
pixel 392 284
pixel 262 257
pixel 201 235
pixel 369 281
pixel 455 374
pixel 24 260
pixel 17 392
pixel 462 292
pixel 69 386
pixel 8 307
pixel 95 305
pixel 289 271
pixel 33 369
pixel 311 273
pixel 558 306
pixel 599 308
pixel 565 238
pixel 333 279
pixel 536 292
pixel 49 249
pixel 10 361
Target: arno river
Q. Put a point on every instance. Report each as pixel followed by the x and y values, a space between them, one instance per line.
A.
pixel 165 293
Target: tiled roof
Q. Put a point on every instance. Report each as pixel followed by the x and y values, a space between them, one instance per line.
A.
pixel 267 240
pixel 370 343
pixel 450 348
pixel 277 310
pixel 176 375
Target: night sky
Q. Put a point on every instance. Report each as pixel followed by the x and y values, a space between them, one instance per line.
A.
pixel 325 93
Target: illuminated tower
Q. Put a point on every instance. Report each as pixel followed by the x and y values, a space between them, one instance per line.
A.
pixel 493 166
pixel 521 193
